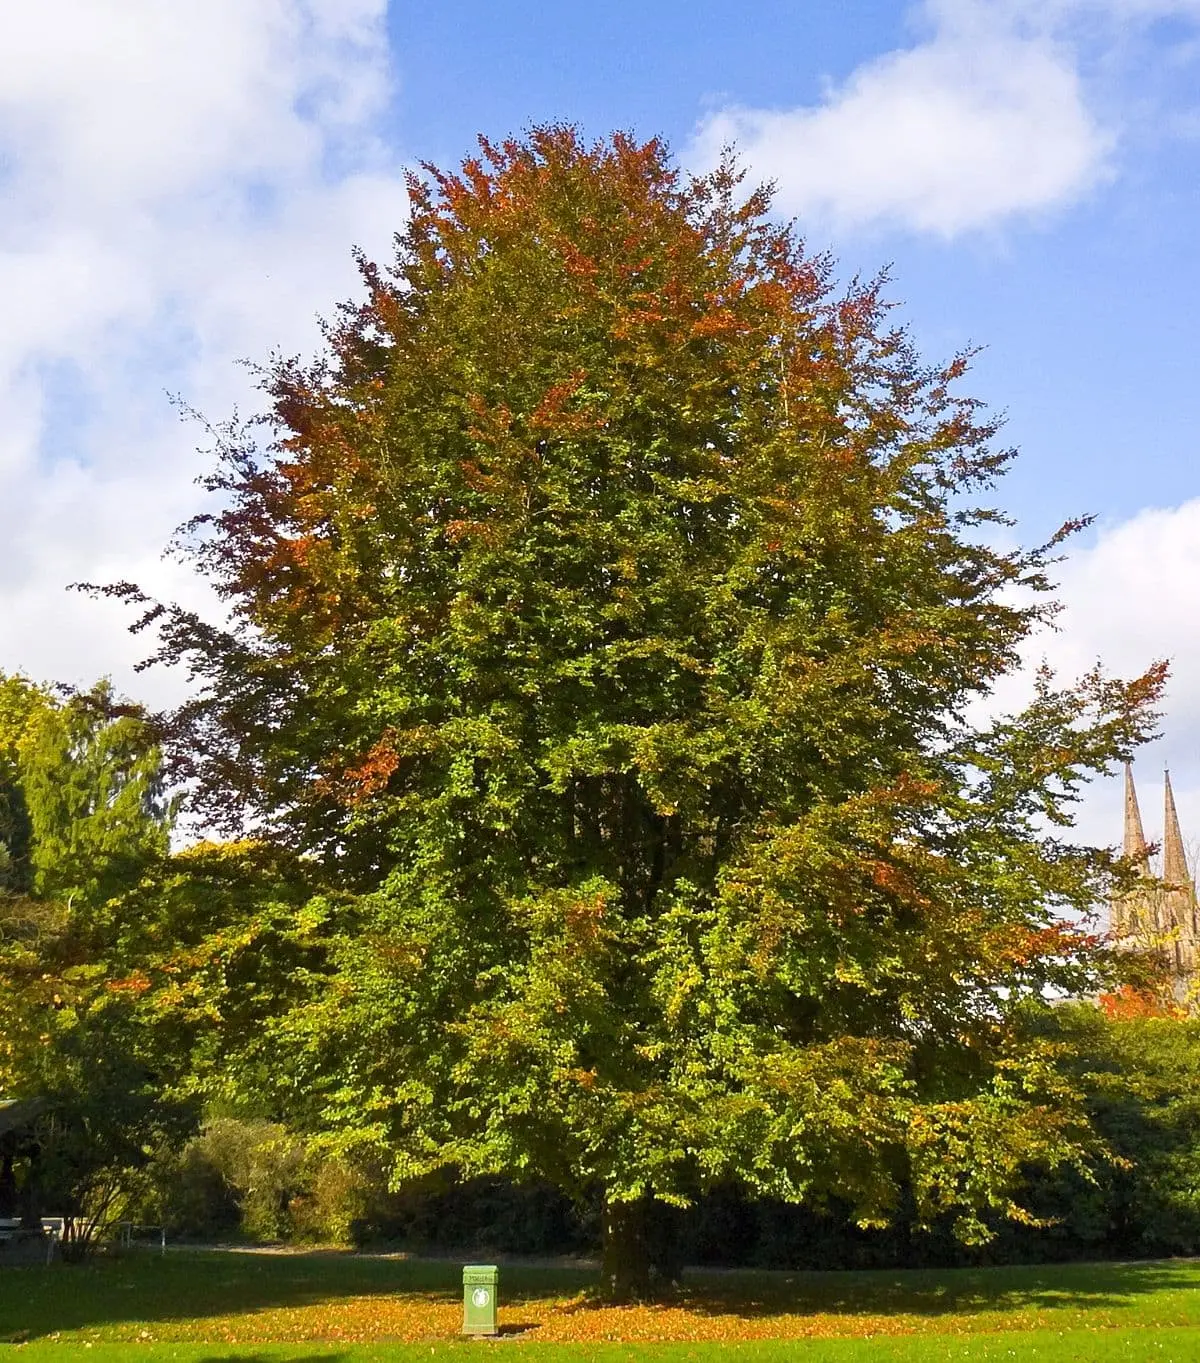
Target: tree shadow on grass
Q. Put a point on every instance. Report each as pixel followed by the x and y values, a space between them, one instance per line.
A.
pixel 937 1292
pixel 199 1285
pixel 924 1292
pixel 196 1286
pixel 272 1358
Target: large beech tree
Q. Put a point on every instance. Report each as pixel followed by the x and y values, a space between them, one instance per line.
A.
pixel 610 602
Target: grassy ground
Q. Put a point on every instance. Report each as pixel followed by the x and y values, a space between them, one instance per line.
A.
pixel 198 1308
pixel 1076 1346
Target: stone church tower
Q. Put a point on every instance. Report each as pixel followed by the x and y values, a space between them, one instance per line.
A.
pixel 1160 916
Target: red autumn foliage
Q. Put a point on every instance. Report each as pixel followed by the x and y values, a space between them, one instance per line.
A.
pixel 1129 1003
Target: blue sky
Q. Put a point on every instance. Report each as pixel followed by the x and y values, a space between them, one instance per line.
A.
pixel 183 181
pixel 653 68
pixel 1088 313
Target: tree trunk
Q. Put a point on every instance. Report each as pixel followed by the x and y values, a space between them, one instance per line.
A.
pixel 625 1265
pixel 641 1250
pixel 8 1184
pixel 30 1198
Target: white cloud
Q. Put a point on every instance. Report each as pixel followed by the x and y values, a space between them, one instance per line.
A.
pixel 985 120
pixel 1129 598
pixel 182 183
pixel 182 187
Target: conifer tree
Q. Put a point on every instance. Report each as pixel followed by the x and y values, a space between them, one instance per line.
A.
pixel 20 701
pixel 92 782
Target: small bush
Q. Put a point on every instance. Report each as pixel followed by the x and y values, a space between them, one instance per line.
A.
pixel 192 1197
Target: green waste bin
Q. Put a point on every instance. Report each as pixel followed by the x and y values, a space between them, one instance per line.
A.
pixel 480 1283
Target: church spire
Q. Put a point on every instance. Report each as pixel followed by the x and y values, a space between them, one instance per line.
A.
pixel 1161 918
pixel 1175 869
pixel 1135 838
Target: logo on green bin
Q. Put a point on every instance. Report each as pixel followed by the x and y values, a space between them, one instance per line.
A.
pixel 481 1296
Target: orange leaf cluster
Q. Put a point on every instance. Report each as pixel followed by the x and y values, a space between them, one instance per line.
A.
pixel 376 769
pixel 1129 1003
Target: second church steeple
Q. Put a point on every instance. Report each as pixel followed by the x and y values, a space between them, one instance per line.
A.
pixel 1160 917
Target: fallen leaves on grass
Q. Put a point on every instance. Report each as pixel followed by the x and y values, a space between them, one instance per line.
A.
pixel 414 1318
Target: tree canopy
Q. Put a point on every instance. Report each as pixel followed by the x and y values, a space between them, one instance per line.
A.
pixel 611 604
pixel 82 822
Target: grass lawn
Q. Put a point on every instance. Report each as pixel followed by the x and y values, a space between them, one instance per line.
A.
pixel 196 1307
